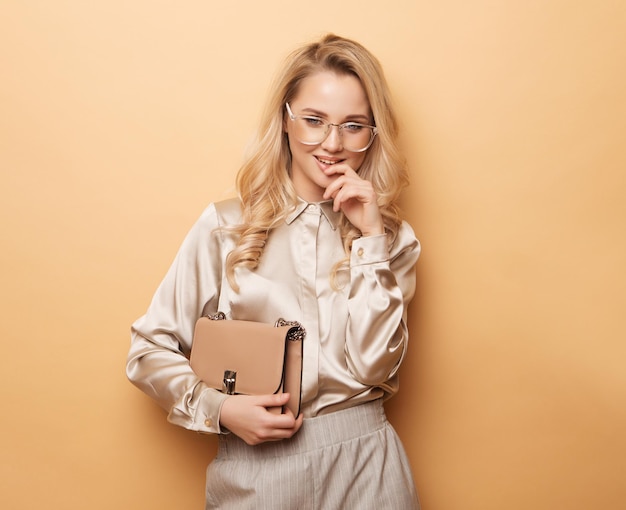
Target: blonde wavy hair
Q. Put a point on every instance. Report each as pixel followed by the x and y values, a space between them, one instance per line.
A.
pixel 263 183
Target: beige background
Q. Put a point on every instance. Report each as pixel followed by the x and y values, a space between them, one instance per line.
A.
pixel 119 122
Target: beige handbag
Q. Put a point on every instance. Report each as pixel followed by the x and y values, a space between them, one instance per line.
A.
pixel 250 358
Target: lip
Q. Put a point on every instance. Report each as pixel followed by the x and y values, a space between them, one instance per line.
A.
pixel 328 161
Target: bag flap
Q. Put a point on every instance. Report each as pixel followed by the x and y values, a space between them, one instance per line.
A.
pixel 254 350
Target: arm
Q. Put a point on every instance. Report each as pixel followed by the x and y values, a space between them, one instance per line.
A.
pixel 158 361
pixel 382 285
pixel 382 281
pixel 161 342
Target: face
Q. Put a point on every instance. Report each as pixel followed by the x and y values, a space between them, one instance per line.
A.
pixel 335 98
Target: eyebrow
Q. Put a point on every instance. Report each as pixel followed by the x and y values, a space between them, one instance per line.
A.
pixel 350 118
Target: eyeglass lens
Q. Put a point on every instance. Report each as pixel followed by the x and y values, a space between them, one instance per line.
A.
pixel 311 130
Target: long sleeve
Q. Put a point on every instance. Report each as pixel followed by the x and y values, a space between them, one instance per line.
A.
pixel 161 340
pixel 382 284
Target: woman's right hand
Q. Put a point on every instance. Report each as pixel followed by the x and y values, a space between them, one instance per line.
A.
pixel 247 417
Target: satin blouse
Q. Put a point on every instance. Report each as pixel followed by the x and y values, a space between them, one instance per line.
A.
pixel 356 329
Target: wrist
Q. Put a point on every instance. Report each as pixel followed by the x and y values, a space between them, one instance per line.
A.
pixel 375 231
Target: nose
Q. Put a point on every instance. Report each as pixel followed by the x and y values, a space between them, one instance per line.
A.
pixel 333 141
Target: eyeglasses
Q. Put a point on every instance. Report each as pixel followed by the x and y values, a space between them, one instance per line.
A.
pixel 311 130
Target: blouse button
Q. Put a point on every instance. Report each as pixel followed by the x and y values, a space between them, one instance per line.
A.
pixel 208 422
pixel 360 252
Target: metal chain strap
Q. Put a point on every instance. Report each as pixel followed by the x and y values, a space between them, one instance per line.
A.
pixel 297 332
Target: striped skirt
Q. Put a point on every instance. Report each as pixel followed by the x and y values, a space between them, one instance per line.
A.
pixel 349 459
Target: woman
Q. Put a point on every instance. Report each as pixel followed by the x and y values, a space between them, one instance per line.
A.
pixel 314 236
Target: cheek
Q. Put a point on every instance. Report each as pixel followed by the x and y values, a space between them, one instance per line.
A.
pixel 357 162
pixel 299 149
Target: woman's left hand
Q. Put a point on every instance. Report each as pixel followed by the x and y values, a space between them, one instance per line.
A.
pixel 356 198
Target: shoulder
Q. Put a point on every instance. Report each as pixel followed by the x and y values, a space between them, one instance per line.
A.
pixel 228 211
pixel 224 213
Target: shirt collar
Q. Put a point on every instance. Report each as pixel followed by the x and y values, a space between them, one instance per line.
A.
pixel 326 207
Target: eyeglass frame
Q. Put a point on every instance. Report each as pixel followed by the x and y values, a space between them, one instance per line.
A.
pixel 329 125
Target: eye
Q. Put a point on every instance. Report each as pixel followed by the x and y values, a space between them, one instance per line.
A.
pixel 313 121
pixel 353 127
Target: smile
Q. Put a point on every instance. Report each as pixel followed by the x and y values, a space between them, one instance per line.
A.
pixel 328 161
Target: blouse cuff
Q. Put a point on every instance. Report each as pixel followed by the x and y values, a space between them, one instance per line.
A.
pixel 369 250
pixel 205 417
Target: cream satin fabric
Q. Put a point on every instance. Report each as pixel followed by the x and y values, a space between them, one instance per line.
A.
pixel 356 336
